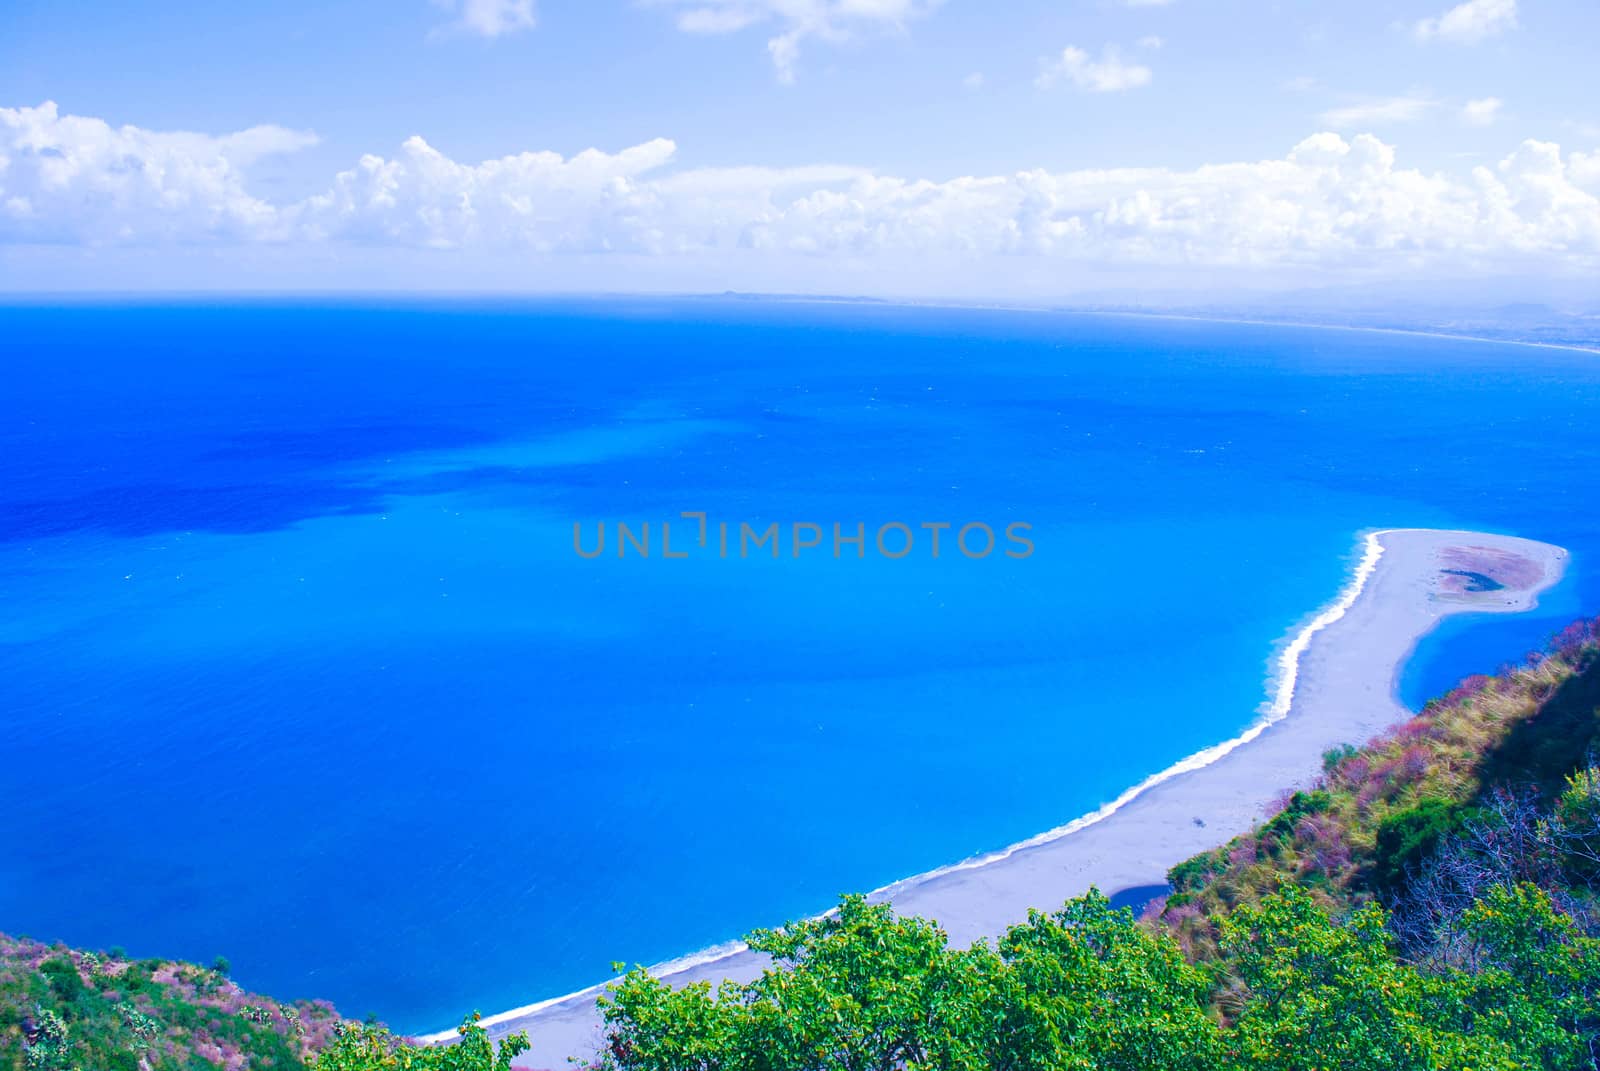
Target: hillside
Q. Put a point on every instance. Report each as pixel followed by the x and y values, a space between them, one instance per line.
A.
pixel 64 1009
pixel 1487 765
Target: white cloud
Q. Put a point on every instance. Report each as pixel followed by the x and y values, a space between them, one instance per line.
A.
pixel 1151 41
pixel 1379 112
pixel 973 80
pixel 1481 112
pixel 1470 22
pixel 795 20
pixel 1109 74
pixel 490 18
pixel 1331 204
pixel 1584 170
pixel 538 200
pixel 71 178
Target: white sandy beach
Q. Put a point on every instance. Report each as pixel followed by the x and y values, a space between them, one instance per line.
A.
pixel 1336 684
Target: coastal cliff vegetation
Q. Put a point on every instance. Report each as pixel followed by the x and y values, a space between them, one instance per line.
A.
pixel 1432 902
pixel 68 1010
pixel 1490 784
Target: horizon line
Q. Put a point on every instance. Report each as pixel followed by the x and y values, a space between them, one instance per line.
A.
pixel 1157 312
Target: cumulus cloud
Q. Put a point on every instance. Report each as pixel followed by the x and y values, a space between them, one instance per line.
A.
pixel 540 200
pixel 1481 112
pixel 71 178
pixel 1331 203
pixel 1379 112
pixel 1109 74
pixel 794 20
pixel 1470 22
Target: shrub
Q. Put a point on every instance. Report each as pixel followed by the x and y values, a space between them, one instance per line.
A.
pixel 62 975
pixel 1406 838
pixel 1333 757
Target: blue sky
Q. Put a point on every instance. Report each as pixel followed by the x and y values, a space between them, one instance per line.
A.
pixel 833 99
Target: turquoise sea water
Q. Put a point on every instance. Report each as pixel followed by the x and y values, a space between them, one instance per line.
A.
pixel 301 667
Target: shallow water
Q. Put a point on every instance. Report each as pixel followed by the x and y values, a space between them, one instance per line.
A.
pixel 303 669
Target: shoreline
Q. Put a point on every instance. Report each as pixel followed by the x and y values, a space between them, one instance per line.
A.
pixel 1320 695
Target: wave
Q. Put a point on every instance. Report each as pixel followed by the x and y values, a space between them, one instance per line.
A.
pixel 1276 707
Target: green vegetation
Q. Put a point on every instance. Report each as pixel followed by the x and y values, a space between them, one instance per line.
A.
pixel 1090 989
pixel 864 989
pixel 370 1047
pixel 1409 837
pixel 65 1010
pixel 1431 903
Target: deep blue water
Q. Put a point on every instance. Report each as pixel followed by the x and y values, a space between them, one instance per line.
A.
pixel 300 666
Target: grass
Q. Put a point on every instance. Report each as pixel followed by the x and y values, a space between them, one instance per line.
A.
pixel 1379 809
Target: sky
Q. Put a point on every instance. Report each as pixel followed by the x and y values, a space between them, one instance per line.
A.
pixel 944 148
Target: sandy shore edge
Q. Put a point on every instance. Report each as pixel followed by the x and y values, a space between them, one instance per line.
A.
pixel 1334 683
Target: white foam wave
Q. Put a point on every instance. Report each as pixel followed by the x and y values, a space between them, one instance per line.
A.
pixel 661 970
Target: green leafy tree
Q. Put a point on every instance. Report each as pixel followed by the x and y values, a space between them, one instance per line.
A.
pixel 1324 994
pixel 858 989
pixel 1539 973
pixel 1577 823
pixel 653 1027
pixel 1087 989
pixel 366 1047
pixel 867 989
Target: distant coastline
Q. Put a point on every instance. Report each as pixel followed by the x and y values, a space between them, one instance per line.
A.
pixel 1334 681
pixel 27 298
pixel 1254 319
pixel 1248 319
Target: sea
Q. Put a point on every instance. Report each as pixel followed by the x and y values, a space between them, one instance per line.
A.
pixel 305 660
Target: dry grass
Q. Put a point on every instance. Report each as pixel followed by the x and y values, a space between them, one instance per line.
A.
pixel 1326 839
